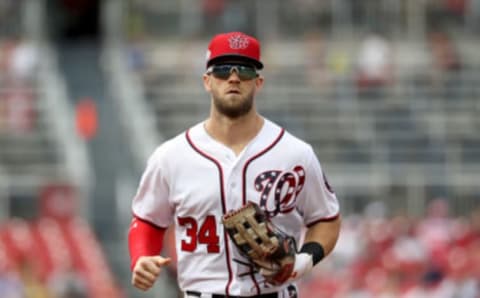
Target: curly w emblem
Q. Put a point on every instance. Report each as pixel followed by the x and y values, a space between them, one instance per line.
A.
pixel 285 185
pixel 238 42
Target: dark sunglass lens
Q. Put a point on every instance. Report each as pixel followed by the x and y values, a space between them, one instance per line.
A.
pixel 221 71
pixel 246 72
pixel 243 72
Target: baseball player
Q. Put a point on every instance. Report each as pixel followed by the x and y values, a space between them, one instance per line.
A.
pixel 233 158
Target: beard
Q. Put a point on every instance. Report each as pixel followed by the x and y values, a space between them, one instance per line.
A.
pixel 233 108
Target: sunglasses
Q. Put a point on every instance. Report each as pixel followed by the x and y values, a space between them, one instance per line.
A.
pixel 223 71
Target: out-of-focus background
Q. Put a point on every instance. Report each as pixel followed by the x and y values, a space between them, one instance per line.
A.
pixel 386 91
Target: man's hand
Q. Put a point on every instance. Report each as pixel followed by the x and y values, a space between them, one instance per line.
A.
pixel 146 271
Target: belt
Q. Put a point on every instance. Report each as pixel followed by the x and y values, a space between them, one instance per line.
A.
pixel 198 294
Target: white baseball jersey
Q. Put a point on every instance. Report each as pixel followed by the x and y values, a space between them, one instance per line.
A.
pixel 192 180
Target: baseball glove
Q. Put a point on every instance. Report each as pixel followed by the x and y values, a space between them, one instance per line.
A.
pixel 270 250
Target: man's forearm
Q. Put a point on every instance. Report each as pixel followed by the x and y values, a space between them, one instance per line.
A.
pixel 325 233
pixel 144 239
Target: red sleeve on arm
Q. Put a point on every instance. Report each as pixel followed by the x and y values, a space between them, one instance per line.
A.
pixel 144 239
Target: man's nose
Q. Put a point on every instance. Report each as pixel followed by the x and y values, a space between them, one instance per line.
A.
pixel 234 75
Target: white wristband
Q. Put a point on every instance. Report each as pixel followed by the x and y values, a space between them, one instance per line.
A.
pixel 303 265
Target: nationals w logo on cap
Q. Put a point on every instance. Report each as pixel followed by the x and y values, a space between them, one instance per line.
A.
pixel 238 42
pixel 235 46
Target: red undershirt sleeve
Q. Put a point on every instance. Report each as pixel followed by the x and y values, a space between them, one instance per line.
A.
pixel 144 239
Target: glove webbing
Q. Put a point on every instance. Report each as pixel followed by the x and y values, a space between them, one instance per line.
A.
pixel 252 232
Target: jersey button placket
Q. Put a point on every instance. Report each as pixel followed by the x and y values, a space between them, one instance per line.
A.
pixel 234 196
pixel 232 188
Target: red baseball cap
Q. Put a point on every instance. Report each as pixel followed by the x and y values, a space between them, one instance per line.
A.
pixel 234 45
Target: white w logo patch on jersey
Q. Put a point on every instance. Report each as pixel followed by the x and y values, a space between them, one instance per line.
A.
pixel 238 42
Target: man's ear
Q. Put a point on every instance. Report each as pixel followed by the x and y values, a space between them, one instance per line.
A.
pixel 259 82
pixel 206 82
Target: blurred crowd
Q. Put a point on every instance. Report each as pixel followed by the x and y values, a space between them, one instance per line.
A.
pixel 381 256
pixel 208 16
pixel 55 254
pixel 375 66
pixel 18 64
